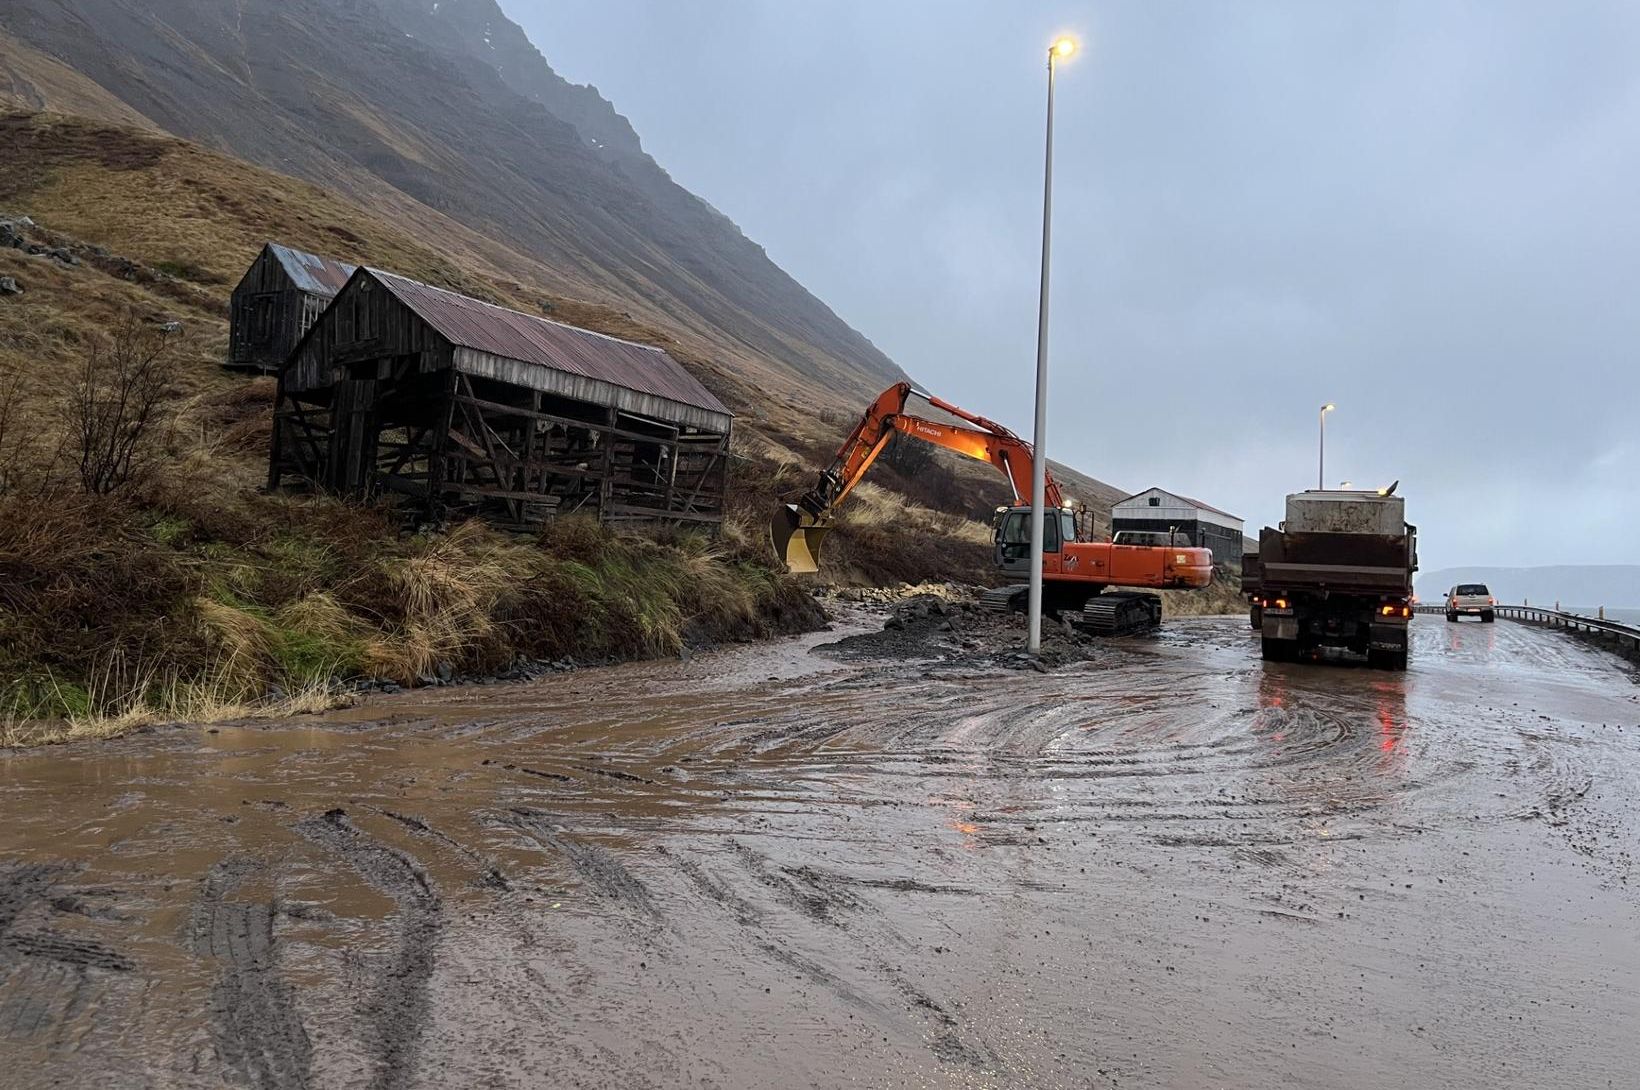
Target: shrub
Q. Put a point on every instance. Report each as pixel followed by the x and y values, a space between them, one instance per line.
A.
pixel 115 402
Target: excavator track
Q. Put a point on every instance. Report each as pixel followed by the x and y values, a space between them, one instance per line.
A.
pixel 1119 613
pixel 1114 613
pixel 1012 599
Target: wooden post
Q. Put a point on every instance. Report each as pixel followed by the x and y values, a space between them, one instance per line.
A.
pixel 671 473
pixel 606 487
pixel 438 468
pixel 276 453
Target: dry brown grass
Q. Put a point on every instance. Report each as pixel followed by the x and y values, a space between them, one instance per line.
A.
pixel 445 594
pixel 199 703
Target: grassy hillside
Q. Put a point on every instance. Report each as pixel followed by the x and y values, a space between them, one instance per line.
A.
pixel 188 594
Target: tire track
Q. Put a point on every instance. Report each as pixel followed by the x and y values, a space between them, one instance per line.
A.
pixel 399 1010
pixel 254 1022
pixel 490 874
pixel 818 896
pixel 751 919
pixel 47 979
pixel 808 892
pixel 599 869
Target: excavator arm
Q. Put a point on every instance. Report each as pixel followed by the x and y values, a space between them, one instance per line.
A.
pixel 799 529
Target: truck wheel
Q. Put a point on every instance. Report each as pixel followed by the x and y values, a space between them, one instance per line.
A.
pixel 1387 660
pixel 1488 617
pixel 1279 650
pixel 1452 618
pixel 1255 617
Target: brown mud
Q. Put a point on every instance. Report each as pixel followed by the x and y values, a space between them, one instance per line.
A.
pixel 866 857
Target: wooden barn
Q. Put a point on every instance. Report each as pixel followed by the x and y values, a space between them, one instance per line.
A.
pixel 466 407
pixel 281 296
pixel 1159 510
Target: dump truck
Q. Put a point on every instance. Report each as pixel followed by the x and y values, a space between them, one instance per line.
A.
pixel 1338 574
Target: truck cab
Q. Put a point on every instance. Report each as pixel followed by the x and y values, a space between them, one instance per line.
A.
pixel 1153 538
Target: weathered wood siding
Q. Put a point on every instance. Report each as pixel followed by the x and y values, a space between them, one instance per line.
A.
pixel 365 327
pixel 267 316
pixel 263 318
pixel 376 401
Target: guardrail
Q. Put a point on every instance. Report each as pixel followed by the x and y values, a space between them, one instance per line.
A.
pixel 1625 636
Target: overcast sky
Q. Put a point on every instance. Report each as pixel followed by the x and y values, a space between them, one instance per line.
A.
pixel 1426 212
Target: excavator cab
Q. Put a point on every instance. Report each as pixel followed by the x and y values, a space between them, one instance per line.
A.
pixel 1013 536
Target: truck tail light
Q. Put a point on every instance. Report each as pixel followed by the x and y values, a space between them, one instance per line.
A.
pixel 1491 601
pixel 1395 609
pixel 1281 603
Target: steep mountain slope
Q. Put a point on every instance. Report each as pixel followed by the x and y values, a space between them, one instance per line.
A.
pixel 444 119
pixel 386 100
pixel 31 81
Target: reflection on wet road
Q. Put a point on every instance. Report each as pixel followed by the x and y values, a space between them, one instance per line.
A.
pixel 1173 866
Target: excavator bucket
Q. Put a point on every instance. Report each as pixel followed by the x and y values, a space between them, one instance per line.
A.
pixel 797 537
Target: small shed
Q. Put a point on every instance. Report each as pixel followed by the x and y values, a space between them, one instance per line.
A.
pixel 281 296
pixel 468 407
pixel 1158 509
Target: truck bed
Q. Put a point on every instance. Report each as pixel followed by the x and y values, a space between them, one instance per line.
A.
pixel 1338 563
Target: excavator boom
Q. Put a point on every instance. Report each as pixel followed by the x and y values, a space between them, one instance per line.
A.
pixel 1077 575
pixel 799 529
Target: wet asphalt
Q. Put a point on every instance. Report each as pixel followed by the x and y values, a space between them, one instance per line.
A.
pixel 1169 866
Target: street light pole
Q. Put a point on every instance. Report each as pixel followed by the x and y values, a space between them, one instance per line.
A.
pixel 1064 47
pixel 1321 473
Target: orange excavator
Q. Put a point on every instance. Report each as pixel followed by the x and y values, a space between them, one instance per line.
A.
pixel 1075 573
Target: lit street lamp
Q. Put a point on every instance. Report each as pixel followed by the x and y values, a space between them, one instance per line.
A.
pixel 1321 476
pixel 1060 50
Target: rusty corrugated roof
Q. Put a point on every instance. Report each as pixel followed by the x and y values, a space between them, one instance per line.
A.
pixel 485 327
pixel 312 273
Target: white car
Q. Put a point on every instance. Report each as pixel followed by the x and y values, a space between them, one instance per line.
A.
pixel 1471 600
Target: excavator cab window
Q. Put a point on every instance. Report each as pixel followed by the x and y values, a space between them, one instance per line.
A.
pixel 1014 534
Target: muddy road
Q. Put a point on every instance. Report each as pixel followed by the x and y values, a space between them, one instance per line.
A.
pixel 1169 866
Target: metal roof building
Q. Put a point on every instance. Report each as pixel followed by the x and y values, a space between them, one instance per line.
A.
pixel 1157 509
pixel 279 298
pixel 464 405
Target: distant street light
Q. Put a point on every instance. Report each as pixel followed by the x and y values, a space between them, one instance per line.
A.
pixel 1061 49
pixel 1321 476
